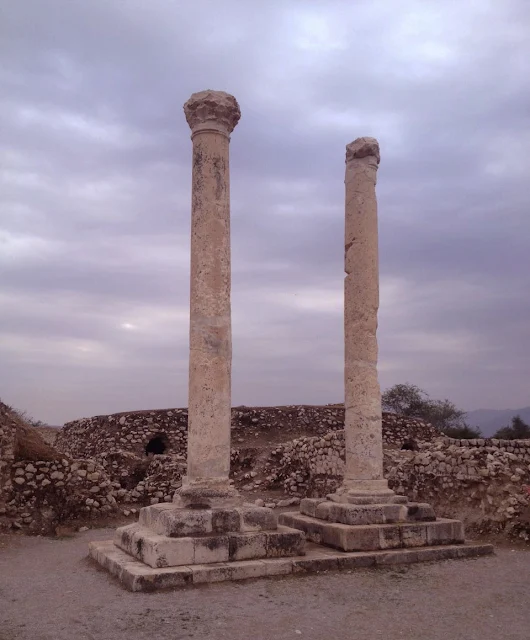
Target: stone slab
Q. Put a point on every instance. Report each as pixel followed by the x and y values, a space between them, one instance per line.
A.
pixel 375 536
pixel 170 520
pixel 159 551
pixel 136 576
pixel 356 514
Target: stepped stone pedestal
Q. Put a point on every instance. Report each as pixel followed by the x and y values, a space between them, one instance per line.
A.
pixel 372 527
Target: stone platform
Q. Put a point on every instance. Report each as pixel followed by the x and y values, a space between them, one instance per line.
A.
pixel 372 527
pixel 171 536
pixel 137 576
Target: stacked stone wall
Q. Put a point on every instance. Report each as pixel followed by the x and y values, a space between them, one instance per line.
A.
pixel 44 494
pixel 485 482
pixel 8 428
pixel 132 431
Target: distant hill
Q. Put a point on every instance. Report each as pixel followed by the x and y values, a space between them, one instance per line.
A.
pixel 490 420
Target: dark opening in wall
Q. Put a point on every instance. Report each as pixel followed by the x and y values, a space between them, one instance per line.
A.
pixel 156 446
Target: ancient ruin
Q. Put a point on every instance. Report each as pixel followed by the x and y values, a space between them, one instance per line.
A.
pixel 349 467
pixel 207 533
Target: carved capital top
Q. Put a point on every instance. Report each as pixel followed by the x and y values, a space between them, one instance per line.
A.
pixel 363 148
pixel 212 109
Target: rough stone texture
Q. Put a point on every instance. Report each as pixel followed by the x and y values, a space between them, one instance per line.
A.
pixel 168 521
pixel 484 482
pixel 8 427
pixel 158 550
pixel 137 576
pixel 363 473
pixel 44 494
pixel 211 115
pixel 132 431
pixel 215 109
pixel 373 537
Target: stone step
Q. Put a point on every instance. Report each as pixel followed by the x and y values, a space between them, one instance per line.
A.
pixel 375 536
pixel 162 551
pixel 355 514
pixel 170 520
pixel 137 576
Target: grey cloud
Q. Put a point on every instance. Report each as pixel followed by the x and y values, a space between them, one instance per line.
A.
pixel 96 180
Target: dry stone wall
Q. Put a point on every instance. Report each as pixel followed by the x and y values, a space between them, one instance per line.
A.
pixel 44 494
pixel 485 482
pixel 133 431
pixel 7 452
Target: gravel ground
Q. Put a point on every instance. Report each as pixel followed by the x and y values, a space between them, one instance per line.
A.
pixel 50 591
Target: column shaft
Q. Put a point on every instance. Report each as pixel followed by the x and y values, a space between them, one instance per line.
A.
pixel 363 426
pixel 210 326
pixel 212 116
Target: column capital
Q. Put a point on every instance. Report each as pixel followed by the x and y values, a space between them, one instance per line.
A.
pixel 363 148
pixel 212 111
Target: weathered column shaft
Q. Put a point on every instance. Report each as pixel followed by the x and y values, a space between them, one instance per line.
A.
pixel 212 116
pixel 363 426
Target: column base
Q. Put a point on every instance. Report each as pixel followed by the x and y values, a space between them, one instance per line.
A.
pixel 372 526
pixel 366 492
pixel 207 493
pixel 137 576
pixel 168 536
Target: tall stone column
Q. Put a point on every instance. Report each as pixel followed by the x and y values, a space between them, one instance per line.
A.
pixel 363 478
pixel 212 116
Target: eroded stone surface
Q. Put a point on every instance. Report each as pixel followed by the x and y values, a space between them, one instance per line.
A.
pixel 159 551
pixel 212 115
pixel 135 576
pixel 363 474
pixel 375 536
pixel 172 521
pixel 212 107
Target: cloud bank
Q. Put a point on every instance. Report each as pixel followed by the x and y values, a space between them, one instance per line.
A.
pixel 95 196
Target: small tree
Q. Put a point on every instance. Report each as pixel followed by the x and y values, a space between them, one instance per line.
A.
pixel 518 430
pixel 411 401
pixel 404 399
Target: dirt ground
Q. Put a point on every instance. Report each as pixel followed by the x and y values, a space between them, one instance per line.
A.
pixel 49 590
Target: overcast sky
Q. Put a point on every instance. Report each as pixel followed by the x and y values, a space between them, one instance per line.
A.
pixel 95 165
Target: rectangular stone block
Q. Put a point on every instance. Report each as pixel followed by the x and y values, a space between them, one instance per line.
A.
pixel 284 542
pixel 355 514
pixel 257 518
pixel 153 549
pixel 413 536
pixel 375 537
pixel 445 531
pixel 229 571
pixel 308 506
pixel 210 549
pixel 246 546
pixel 277 566
pixel 316 564
pixel 420 512
pixel 172 521
pixel 359 560
pixel 225 520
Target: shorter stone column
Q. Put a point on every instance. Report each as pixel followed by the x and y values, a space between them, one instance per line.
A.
pixel 346 519
pixel 363 477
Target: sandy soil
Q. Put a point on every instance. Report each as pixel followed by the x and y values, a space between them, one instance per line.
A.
pixel 50 591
